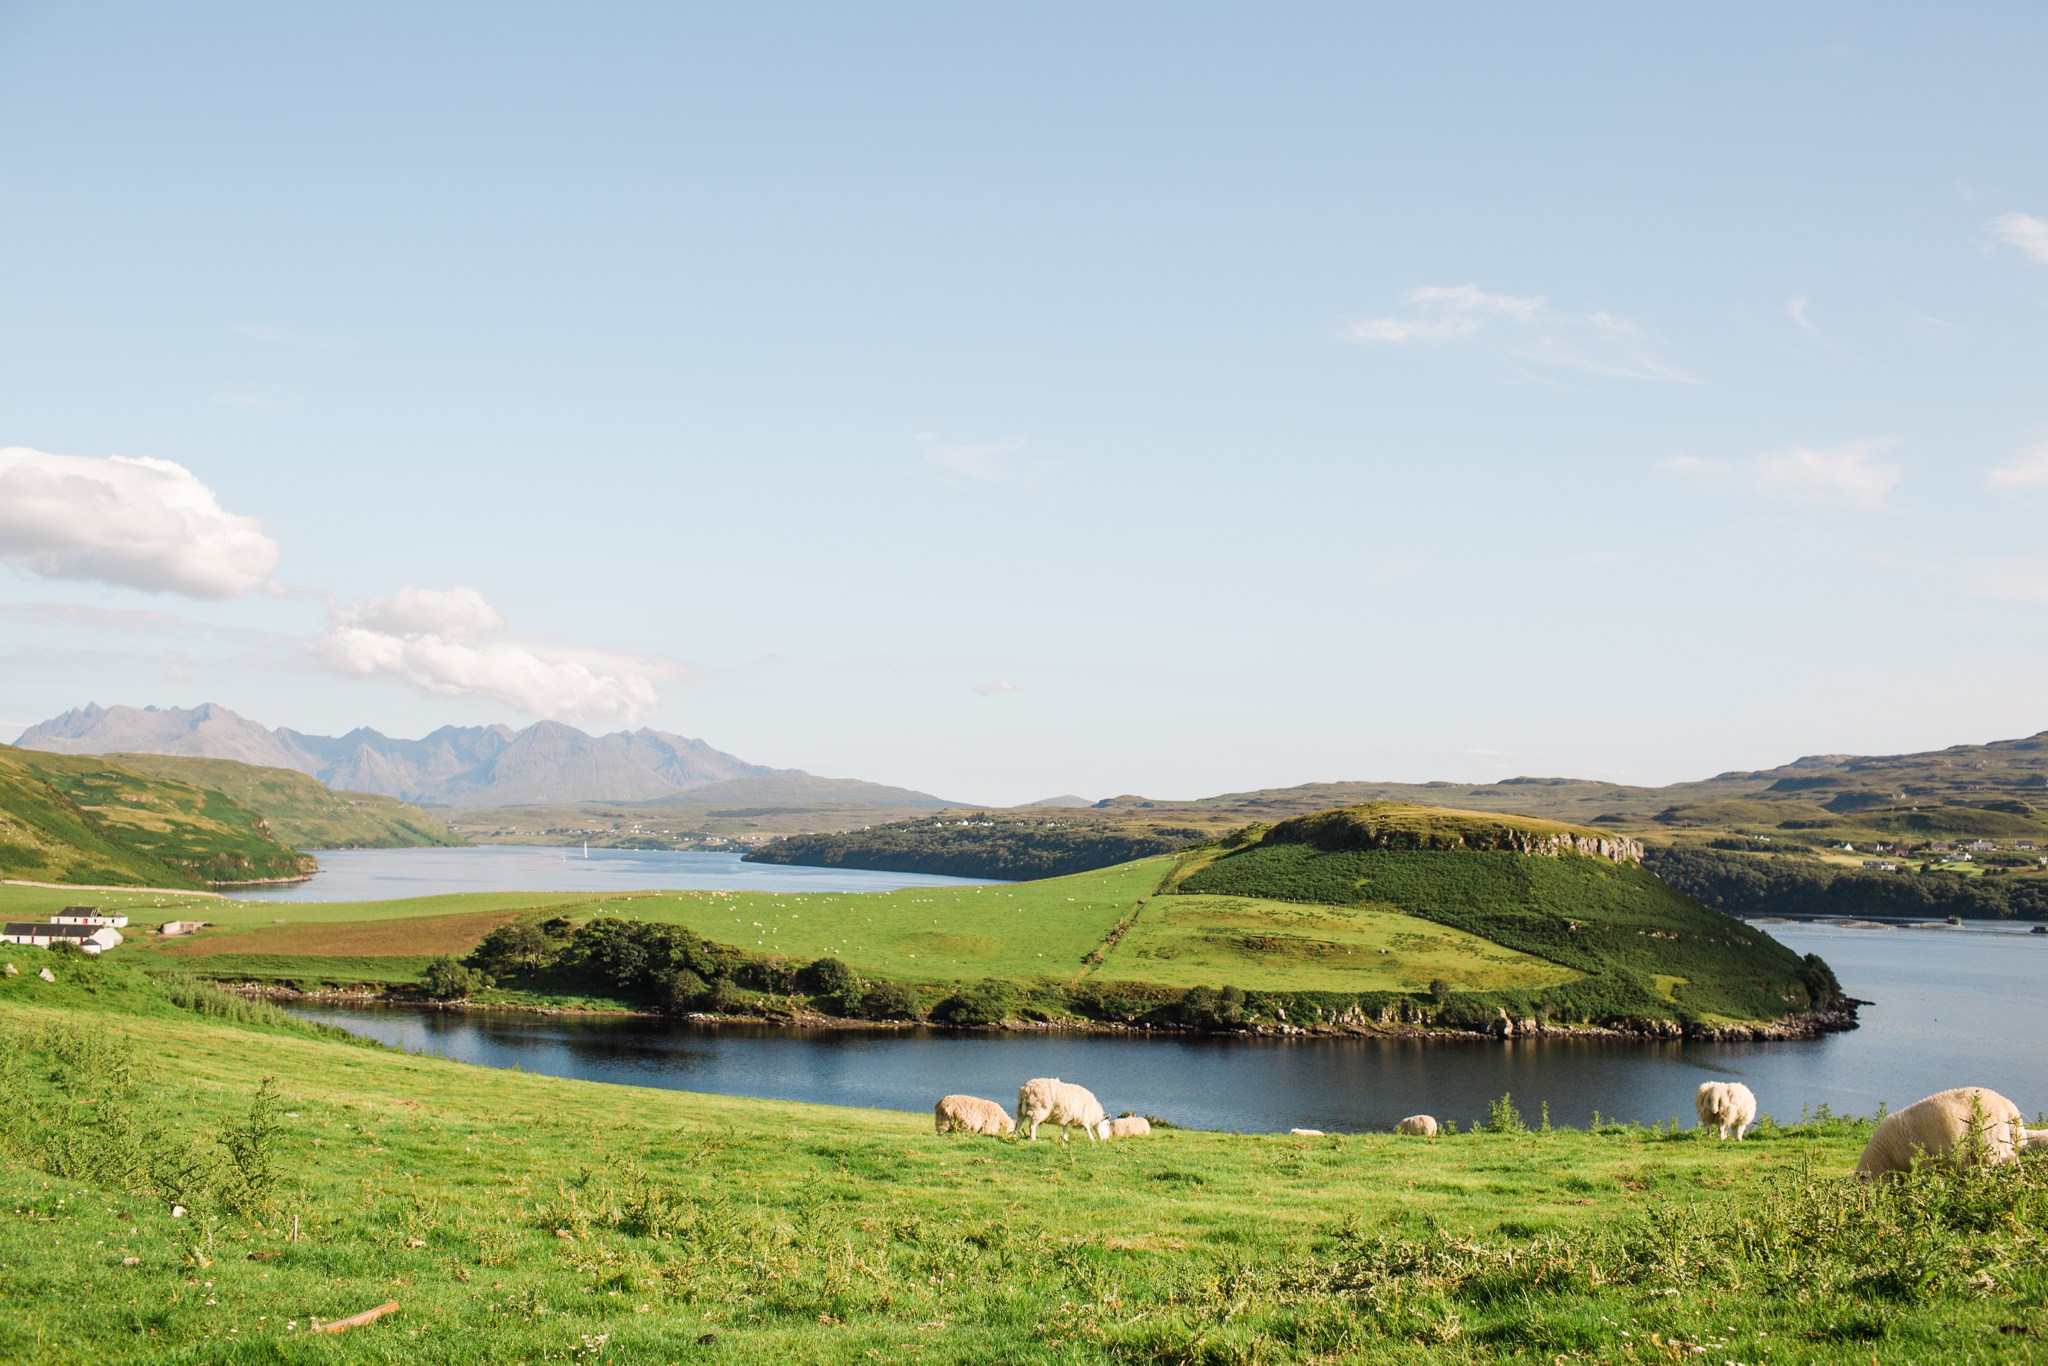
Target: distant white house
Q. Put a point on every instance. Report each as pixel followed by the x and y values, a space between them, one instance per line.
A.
pixel 1957 858
pixel 89 915
pixel 91 938
pixel 1878 865
pixel 1982 846
pixel 2025 846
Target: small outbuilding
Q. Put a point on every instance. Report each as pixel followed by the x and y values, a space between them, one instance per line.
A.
pixel 89 915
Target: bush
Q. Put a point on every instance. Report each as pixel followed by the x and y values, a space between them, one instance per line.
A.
pixel 887 1001
pixel 826 977
pixel 448 979
pixel 986 1003
pixel 686 992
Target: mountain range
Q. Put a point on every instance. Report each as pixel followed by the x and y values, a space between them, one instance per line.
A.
pixel 453 766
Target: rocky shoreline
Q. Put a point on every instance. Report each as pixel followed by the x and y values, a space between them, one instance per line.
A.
pixel 1807 1025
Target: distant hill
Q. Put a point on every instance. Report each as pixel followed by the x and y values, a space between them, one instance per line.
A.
pixel 87 820
pixel 474 766
pixel 804 790
pixel 301 810
pixel 995 844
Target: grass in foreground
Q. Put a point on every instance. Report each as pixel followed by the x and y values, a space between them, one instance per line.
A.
pixel 518 1218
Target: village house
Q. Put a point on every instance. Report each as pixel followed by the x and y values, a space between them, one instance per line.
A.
pixel 91 938
pixel 1982 846
pixel 1880 866
pixel 89 915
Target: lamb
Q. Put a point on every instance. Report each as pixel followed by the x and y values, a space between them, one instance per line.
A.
pixel 1423 1126
pixel 1125 1126
pixel 971 1115
pixel 1049 1100
pixel 1727 1104
pixel 1952 1128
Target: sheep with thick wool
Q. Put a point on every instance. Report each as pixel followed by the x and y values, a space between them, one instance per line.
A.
pixel 1726 1105
pixel 1048 1100
pixel 1955 1128
pixel 1125 1126
pixel 1421 1126
pixel 971 1115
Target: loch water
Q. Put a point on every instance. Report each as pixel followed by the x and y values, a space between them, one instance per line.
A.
pixel 1948 1006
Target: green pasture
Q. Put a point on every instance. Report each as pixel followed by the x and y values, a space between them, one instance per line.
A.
pixel 1280 945
pixel 515 1218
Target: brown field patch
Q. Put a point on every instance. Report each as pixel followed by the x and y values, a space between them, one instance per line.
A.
pixel 378 939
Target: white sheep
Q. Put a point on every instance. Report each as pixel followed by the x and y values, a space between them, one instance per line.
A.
pixel 1941 1128
pixel 1726 1104
pixel 1125 1126
pixel 1306 1133
pixel 1045 1100
pixel 971 1115
pixel 1423 1126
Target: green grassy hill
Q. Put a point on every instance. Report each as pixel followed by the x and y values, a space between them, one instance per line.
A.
pixel 82 819
pixel 1006 845
pixel 302 811
pixel 1643 949
pixel 196 1178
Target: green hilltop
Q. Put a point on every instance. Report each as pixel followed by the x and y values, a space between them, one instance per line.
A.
pixel 302 811
pixel 85 820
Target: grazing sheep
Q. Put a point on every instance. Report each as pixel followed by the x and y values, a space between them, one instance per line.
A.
pixel 1045 1100
pixel 1727 1104
pixel 1306 1133
pixel 971 1115
pixel 1125 1126
pixel 1942 1128
pixel 1423 1126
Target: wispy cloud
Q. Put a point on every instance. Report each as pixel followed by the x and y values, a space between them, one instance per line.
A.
pixel 1522 328
pixel 453 643
pixel 1845 476
pixel 136 621
pixel 140 523
pixel 2029 471
pixel 2024 231
pixel 996 689
pixel 1796 309
pixel 990 462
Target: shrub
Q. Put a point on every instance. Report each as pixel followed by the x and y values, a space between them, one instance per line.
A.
pixel 826 977
pixel 446 978
pixel 986 1003
pixel 888 1001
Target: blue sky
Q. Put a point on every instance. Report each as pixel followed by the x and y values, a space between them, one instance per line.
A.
pixel 1169 399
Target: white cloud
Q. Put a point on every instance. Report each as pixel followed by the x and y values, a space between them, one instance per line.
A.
pixel 995 689
pixel 1842 476
pixel 2024 231
pixel 457 613
pixel 452 643
pixel 2029 471
pixel 992 462
pixel 141 523
pixel 1521 328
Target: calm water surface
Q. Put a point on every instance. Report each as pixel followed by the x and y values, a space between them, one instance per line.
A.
pixel 1951 1006
pixel 387 874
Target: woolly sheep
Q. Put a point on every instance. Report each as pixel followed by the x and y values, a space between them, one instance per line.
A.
pixel 1045 1100
pixel 971 1115
pixel 1125 1126
pixel 1939 1128
pixel 1306 1133
pixel 1726 1104
pixel 1422 1125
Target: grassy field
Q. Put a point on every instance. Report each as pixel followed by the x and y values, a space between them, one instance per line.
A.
pixel 1259 945
pixel 301 810
pixel 522 1219
pixel 83 819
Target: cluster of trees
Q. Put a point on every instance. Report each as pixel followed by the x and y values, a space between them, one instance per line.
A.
pixel 1787 885
pixel 1015 848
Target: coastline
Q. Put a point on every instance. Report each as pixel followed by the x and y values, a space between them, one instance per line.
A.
pixel 1807 1025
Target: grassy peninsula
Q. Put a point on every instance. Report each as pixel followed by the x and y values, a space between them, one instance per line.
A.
pixel 196 1178
pixel 1464 921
